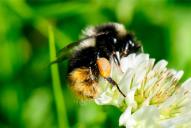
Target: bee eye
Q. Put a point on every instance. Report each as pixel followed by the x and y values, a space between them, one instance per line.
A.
pixel 114 40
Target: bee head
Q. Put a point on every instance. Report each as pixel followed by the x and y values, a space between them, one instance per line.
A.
pixel 128 44
pixel 112 38
pixel 108 42
pixel 116 39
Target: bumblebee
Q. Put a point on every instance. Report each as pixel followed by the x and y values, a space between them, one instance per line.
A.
pixel 89 58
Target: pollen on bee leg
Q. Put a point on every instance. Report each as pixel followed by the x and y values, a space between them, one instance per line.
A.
pixel 105 70
pixel 104 67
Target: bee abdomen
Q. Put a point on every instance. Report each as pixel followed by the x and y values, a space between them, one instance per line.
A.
pixel 82 83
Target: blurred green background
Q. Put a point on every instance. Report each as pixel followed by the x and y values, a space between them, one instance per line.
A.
pixel 26 93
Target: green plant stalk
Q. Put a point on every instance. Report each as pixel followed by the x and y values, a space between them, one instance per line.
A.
pixel 60 105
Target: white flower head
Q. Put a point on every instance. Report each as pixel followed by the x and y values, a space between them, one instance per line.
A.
pixel 154 98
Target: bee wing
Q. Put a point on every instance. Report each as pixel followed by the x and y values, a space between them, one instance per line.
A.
pixel 68 50
pixel 65 52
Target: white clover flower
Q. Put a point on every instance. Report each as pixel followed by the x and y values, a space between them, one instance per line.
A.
pixel 154 98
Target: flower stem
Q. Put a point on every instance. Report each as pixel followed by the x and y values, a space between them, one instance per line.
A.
pixel 60 105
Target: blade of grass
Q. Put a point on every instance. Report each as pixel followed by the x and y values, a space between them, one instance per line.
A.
pixel 60 105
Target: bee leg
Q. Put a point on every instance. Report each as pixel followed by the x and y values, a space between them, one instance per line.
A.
pixel 104 68
pixel 91 74
pixel 112 82
pixel 116 58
